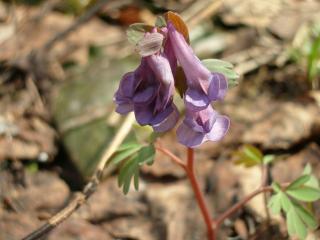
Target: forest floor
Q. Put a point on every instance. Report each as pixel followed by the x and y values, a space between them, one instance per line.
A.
pixel 57 115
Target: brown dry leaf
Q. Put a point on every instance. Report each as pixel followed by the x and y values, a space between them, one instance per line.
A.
pixel 25 134
pixel 80 230
pixel 139 228
pixel 17 225
pixel 43 191
pixel 251 12
pixel 282 17
pixel 170 203
pixel 37 33
pixel 269 123
pixel 284 125
pixel 178 23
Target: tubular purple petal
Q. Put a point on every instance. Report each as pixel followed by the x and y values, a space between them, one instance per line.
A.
pixel 197 74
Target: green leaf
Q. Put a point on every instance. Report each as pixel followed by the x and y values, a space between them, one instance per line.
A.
pixel 305 194
pixel 136 32
pixel 285 202
pixel 217 63
pixel 124 170
pixel 136 180
pixel 125 153
pixel 160 22
pixel 306 216
pixel 253 153
pixel 313 181
pixel 307 169
pixel 130 169
pixel 298 182
pixel 224 68
pixel 267 159
pixel 128 145
pixel 249 156
pixel 146 155
pixel 295 225
pixel 313 59
pixel 275 203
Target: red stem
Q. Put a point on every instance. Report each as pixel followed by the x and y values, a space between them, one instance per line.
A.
pixel 173 157
pixel 198 194
pixel 217 222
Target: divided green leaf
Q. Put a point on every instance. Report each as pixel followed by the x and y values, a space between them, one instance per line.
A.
pixel 130 169
pixel 295 225
pixel 313 181
pixel 223 67
pixel 305 194
pixel 275 203
pixel 305 188
pixel 125 153
pixel 298 218
pixel 299 182
pixel 306 216
pixel 248 156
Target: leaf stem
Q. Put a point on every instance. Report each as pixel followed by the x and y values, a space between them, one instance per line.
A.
pixel 173 157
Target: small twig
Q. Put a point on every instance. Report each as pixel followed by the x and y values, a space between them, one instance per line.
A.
pixel 263 189
pixel 81 20
pixel 200 11
pixel 81 197
pixel 217 222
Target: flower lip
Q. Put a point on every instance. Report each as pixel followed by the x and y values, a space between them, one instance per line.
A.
pixel 202 126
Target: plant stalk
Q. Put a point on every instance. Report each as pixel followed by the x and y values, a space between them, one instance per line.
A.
pixel 199 195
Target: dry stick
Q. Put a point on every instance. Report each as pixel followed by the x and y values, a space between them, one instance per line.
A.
pixel 82 19
pixel 81 197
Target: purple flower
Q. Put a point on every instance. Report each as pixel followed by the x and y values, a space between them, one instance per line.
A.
pixel 148 91
pixel 203 86
pixel 201 126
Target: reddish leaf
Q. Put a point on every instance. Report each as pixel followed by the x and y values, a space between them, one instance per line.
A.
pixel 178 23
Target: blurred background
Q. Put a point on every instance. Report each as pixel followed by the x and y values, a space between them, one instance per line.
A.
pixel 60 63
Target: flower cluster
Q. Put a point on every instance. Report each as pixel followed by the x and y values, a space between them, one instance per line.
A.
pixel 149 90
